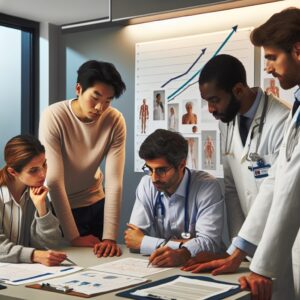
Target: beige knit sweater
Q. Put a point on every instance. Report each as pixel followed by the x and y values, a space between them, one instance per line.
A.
pixel 74 151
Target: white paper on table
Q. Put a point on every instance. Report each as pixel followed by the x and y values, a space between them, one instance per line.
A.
pixel 93 282
pixel 183 288
pixel 17 274
pixel 136 267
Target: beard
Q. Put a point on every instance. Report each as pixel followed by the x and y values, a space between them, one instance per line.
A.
pixel 231 110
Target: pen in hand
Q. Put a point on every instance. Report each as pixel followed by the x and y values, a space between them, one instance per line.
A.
pixel 67 259
pixel 164 243
pixel 71 261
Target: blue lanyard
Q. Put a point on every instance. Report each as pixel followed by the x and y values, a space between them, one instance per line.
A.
pixel 159 204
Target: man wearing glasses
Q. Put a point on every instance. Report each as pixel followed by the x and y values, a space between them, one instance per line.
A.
pixel 178 212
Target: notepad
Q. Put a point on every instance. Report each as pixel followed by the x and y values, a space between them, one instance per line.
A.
pixel 17 274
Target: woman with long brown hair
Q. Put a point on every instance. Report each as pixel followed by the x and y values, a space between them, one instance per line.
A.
pixel 26 223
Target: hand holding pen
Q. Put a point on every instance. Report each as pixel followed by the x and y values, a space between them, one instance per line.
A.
pixel 167 257
pixel 48 257
pixel 61 256
pixel 161 245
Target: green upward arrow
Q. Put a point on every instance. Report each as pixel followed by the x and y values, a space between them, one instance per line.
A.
pixel 234 29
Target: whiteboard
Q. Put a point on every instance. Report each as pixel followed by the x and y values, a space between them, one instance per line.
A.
pixel 169 69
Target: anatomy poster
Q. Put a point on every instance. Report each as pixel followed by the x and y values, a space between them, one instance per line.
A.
pixel 167 93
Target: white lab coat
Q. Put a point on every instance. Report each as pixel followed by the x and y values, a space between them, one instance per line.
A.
pixel 241 187
pixel 273 220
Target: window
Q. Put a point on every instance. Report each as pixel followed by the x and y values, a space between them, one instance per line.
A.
pixel 19 64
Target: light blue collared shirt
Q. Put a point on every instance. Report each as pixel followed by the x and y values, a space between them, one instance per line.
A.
pixel 205 211
pixel 250 114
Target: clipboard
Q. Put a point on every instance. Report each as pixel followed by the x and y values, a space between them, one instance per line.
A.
pixel 127 294
pixel 56 290
pixel 71 292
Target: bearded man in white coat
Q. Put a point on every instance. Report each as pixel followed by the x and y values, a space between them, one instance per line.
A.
pixel 273 221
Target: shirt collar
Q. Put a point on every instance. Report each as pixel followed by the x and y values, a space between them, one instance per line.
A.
pixel 297 95
pixel 8 197
pixel 252 111
pixel 182 186
pixel 6 194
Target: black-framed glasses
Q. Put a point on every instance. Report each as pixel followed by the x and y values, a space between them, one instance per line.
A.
pixel 160 172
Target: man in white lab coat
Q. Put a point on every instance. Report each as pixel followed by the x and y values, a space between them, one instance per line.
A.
pixel 248 149
pixel 273 221
pixel 223 85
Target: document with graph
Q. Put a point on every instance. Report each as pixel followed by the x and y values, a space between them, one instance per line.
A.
pixel 129 266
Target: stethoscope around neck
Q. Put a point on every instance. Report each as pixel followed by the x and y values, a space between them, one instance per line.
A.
pixel 254 156
pixel 159 205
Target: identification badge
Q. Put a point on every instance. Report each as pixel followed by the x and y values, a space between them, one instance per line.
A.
pixel 260 171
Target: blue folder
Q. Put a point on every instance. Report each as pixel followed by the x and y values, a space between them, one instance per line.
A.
pixel 127 294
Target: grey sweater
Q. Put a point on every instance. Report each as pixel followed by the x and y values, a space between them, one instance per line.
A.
pixel 22 230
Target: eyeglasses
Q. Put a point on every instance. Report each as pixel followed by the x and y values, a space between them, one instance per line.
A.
pixel 160 172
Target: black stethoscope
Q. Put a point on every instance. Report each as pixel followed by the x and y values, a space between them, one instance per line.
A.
pixel 159 205
pixel 254 156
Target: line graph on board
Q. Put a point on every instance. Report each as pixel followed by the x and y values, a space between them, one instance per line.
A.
pixel 173 95
pixel 187 71
pixel 168 69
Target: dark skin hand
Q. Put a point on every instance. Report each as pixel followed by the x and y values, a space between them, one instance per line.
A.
pixel 202 257
pixel 229 264
pixel 260 286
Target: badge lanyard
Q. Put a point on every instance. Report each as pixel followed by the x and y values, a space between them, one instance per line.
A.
pixel 261 168
pixel 159 204
pixel 254 156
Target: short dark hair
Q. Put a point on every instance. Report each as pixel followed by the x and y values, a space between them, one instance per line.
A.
pixel 225 70
pixel 281 31
pixel 171 146
pixel 94 71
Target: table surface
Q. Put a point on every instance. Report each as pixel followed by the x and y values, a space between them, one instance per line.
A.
pixel 84 257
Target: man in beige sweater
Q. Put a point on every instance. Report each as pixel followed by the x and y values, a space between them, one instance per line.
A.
pixel 78 134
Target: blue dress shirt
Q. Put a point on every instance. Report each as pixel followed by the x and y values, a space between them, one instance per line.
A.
pixel 205 211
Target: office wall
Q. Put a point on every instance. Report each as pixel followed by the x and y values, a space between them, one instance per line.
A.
pixel 117 45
